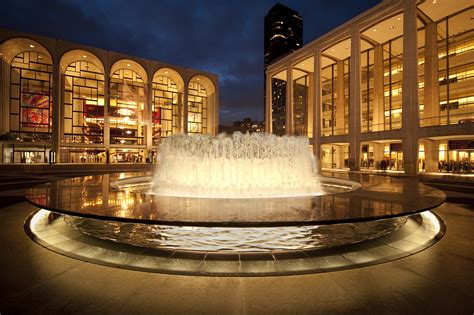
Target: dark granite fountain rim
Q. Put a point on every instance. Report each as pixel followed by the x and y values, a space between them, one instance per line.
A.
pixel 405 241
pixel 377 198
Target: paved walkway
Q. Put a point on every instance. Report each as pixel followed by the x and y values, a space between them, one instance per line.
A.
pixel 439 280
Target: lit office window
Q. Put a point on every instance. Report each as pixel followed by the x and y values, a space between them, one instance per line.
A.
pixel 456 69
pixel 393 74
pixel 367 89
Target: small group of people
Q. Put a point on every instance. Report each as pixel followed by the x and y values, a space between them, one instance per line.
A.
pixel 459 166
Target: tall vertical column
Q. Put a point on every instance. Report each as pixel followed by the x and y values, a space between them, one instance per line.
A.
pixel 309 107
pixel 316 100
pixel 378 89
pixel 61 111
pixel 5 95
pixel 431 156
pixel 56 119
pixel 180 113
pixel 185 107
pixel 354 102
pixel 410 114
pixel 431 69
pixel 340 100
pixel 107 109
pixel 268 105
pixel 149 118
pixel 378 153
pixel 215 126
pixel 289 101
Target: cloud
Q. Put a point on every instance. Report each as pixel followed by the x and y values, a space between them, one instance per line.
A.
pixel 217 36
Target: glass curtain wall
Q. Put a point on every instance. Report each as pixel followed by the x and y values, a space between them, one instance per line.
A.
pixel 164 108
pixel 456 69
pixel 127 108
pixel 329 96
pixel 300 102
pixel 335 98
pixel 279 104
pixel 197 108
pixel 421 74
pixel 31 103
pixel 393 73
pixel 347 78
pixel 83 103
pixel 367 90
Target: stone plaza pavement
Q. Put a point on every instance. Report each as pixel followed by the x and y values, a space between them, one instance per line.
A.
pixel 438 280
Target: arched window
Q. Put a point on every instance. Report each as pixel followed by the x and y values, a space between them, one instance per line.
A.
pixel 31 96
pixel 127 107
pixel 197 108
pixel 165 111
pixel 83 103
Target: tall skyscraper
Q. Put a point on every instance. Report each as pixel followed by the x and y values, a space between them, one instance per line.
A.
pixel 283 35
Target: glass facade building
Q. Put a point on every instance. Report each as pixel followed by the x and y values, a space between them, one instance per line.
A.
pixel 283 34
pixel 67 103
pixel 391 89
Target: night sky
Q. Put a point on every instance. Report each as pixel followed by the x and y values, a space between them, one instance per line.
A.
pixel 223 37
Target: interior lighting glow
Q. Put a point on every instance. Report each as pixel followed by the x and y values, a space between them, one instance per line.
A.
pixel 32 46
pixel 278 35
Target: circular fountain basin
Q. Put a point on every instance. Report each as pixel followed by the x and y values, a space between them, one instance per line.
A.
pixel 112 219
pixel 361 198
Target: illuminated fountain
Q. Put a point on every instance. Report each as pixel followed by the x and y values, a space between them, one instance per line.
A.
pixel 241 166
pixel 245 197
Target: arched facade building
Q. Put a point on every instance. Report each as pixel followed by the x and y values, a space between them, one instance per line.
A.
pixel 63 102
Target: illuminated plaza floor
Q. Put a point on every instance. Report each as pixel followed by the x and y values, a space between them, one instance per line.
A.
pixel 436 280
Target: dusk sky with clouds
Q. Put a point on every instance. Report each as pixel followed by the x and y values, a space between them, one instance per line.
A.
pixel 224 37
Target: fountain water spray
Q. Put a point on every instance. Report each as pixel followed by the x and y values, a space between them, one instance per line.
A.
pixel 238 166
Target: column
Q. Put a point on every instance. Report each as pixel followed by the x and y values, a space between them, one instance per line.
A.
pixel 56 119
pixel 340 159
pixel 378 154
pixel 378 89
pixel 354 102
pixel 5 95
pixel 149 119
pixel 180 112
pixel 215 121
pixel 431 156
pixel 431 68
pixel 106 110
pixel 410 114
pixel 339 114
pixel 316 100
pixel 185 107
pixel 289 101
pixel 268 105
pixel 310 107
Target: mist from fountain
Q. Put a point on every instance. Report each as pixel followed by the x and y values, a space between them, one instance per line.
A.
pixel 239 166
